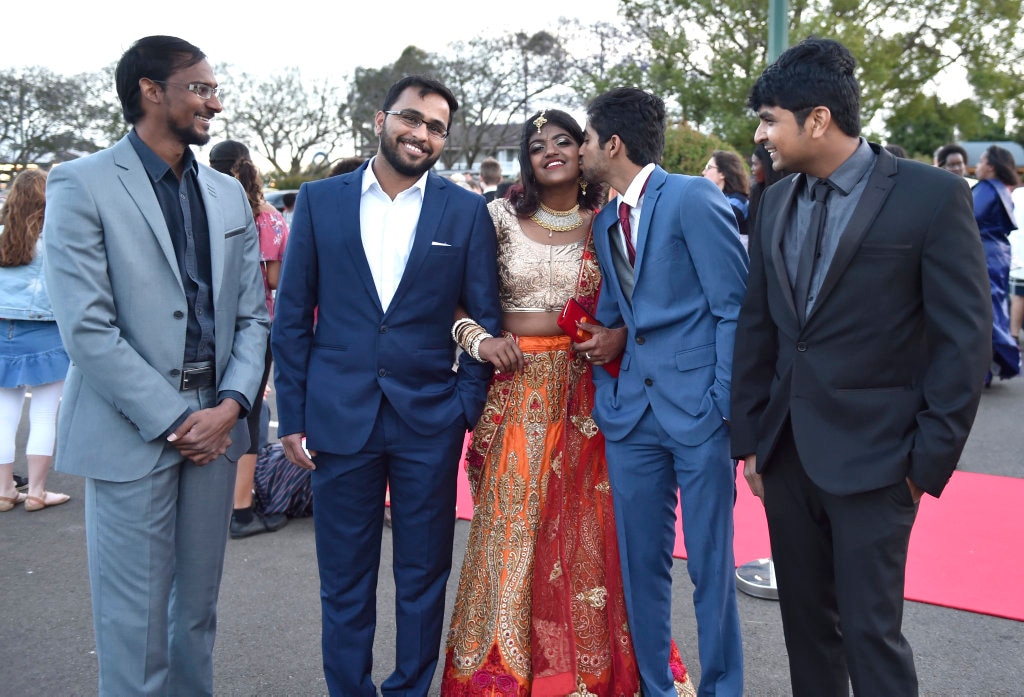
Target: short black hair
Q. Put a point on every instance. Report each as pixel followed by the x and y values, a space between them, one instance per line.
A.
pixel 815 72
pixel 346 165
pixel 426 85
pixel 897 150
pixel 943 153
pixel 636 117
pixel 155 57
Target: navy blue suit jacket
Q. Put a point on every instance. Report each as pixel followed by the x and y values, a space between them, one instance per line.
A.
pixel 330 378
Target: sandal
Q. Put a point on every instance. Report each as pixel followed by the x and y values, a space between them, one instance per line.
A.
pixel 49 498
pixel 9 502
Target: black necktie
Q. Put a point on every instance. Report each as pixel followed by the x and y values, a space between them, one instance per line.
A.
pixel 812 247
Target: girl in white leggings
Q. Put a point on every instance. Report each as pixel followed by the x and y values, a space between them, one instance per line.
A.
pixel 38 451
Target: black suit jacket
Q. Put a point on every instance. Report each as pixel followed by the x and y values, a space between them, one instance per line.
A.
pixel 883 380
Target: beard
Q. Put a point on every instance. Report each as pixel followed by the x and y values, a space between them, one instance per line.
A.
pixel 190 135
pixel 392 152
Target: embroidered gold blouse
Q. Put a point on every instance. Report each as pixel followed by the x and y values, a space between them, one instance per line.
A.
pixel 532 277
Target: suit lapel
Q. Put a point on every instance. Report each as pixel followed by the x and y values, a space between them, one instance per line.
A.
pixel 778 232
pixel 651 195
pixel 136 182
pixel 349 197
pixel 217 228
pixel 880 183
pixel 435 199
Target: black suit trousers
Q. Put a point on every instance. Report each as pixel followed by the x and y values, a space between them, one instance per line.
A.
pixel 840 565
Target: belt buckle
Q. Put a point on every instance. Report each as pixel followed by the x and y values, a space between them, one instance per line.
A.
pixel 194 378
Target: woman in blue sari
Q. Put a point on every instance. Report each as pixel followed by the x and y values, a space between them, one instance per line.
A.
pixel 993 209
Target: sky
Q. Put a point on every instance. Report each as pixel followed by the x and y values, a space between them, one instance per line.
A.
pixel 324 39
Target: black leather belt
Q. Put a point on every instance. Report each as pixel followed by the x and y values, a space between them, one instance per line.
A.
pixel 197 375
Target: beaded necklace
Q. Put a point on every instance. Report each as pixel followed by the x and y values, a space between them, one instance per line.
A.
pixel 557 221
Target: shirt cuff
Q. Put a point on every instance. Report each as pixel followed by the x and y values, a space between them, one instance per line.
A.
pixel 177 422
pixel 238 397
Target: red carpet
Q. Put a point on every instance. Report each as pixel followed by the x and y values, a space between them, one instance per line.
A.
pixel 966 551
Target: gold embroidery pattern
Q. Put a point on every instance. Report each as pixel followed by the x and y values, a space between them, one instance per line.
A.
pixel 586 425
pixel 581 689
pixel 532 275
pixel 595 598
pixel 494 600
pixel 685 689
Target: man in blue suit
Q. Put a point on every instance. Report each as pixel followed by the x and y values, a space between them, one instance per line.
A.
pixel 674 278
pixel 377 262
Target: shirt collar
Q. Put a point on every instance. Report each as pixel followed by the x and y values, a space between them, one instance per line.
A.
pixel 632 195
pixel 370 180
pixel 154 165
pixel 850 172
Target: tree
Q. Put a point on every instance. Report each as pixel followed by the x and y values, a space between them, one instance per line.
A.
pixel 707 53
pixel 921 125
pixel 497 80
pixel 286 120
pixel 370 86
pixel 687 150
pixel 925 123
pixel 43 114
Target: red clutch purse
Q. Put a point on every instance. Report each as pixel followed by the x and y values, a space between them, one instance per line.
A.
pixel 572 313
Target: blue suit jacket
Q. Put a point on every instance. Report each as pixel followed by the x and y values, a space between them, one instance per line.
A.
pixel 690 276
pixel 330 379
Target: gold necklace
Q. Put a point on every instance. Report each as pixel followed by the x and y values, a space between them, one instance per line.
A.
pixel 557 221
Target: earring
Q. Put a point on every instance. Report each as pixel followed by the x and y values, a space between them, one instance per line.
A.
pixel 583 185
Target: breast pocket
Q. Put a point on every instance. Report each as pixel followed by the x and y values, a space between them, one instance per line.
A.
pixel 232 233
pixel 886 250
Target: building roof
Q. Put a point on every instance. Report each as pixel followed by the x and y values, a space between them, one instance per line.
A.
pixel 975 148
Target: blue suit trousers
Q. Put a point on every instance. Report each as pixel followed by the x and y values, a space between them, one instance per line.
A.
pixel 648 469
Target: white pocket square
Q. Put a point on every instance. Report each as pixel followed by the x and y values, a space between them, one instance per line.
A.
pixel 439 244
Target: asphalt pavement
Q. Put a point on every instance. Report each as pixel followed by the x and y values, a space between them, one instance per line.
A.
pixel 268 640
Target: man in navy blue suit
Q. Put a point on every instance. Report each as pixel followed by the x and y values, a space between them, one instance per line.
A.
pixel 674 276
pixel 377 261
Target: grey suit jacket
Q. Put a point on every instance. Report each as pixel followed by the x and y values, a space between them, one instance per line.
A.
pixel 121 308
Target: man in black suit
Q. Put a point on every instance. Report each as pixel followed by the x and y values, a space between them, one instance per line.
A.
pixel 490 175
pixel 860 358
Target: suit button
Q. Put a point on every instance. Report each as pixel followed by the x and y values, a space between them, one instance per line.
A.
pixel 640 340
pixel 178 314
pixel 801 347
pixel 175 373
pixel 383 329
pixel 648 382
pixel 382 372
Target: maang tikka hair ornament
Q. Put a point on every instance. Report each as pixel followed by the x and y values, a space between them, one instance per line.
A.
pixel 540 120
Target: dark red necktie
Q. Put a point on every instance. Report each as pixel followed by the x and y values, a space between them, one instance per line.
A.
pixel 627 234
pixel 627 231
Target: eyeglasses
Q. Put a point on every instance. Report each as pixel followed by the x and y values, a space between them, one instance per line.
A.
pixel 414 120
pixel 707 167
pixel 200 89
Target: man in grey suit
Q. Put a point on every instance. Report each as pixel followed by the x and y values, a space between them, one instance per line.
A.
pixel 153 269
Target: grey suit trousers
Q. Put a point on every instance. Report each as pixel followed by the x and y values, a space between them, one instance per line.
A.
pixel 156 552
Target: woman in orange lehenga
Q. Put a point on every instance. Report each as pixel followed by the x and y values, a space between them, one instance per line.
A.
pixel 540 609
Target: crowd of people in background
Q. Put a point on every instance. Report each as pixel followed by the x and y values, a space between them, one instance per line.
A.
pixel 621 336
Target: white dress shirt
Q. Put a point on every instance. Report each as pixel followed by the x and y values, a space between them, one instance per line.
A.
pixel 388 228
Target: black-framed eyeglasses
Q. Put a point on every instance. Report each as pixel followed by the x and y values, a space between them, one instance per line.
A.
pixel 200 89
pixel 413 120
